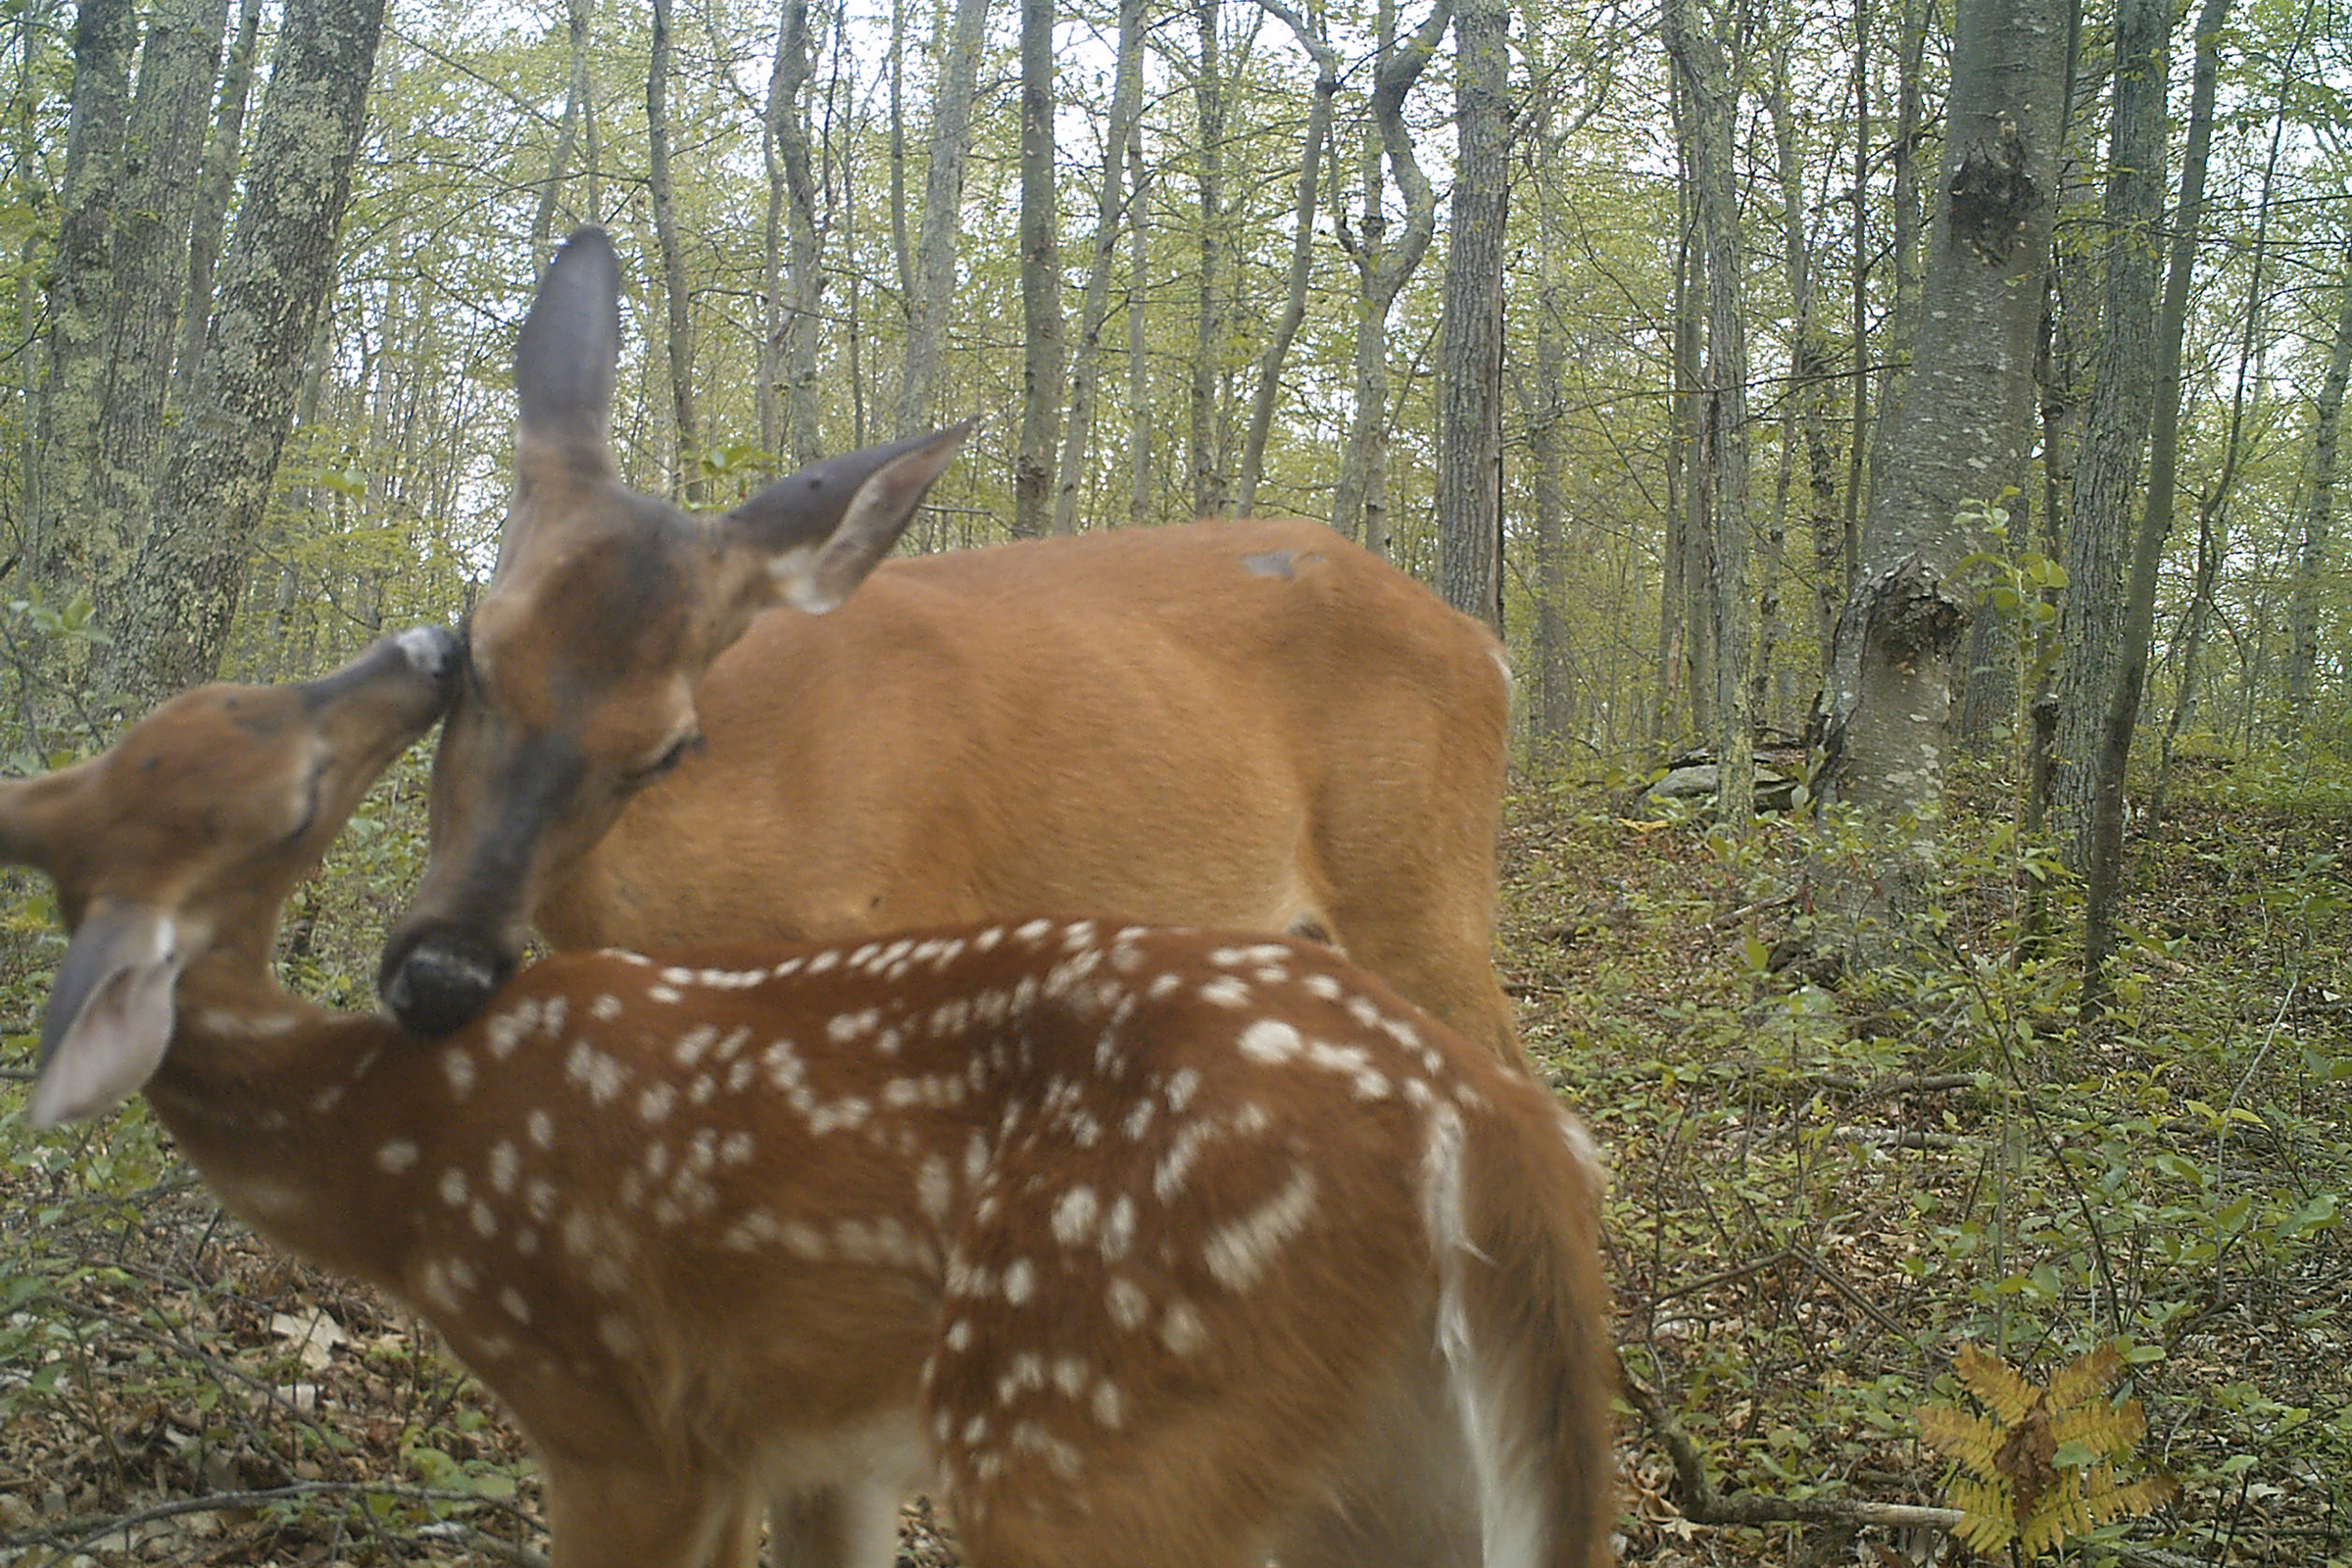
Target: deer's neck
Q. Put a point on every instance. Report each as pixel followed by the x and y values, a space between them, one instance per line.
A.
pixel 278 1101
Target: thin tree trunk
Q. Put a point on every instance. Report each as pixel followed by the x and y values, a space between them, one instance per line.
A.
pixel 686 475
pixel 1360 504
pixel 104 40
pixel 1040 278
pixel 1140 508
pixel 1723 401
pixel 2102 880
pixel 1469 479
pixel 1302 252
pixel 162 152
pixel 1126 108
pixel 794 289
pixel 1903 205
pixel 2313 557
pixel 2115 438
pixel 279 269
pixel 934 291
pixel 567 130
pixel 1206 449
pixel 214 188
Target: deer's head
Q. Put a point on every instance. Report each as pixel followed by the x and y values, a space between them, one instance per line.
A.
pixel 605 610
pixel 179 844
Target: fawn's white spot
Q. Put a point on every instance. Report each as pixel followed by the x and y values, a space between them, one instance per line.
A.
pixel 396 1156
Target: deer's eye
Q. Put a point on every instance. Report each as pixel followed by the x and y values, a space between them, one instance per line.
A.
pixel 671 756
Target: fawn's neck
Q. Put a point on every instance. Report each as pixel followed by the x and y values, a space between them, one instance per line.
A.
pixel 277 1101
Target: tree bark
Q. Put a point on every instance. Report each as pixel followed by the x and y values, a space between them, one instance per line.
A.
pixel 1360 504
pixel 1964 424
pixel 1302 253
pixel 1469 479
pixel 2115 437
pixel 2102 880
pixel 1206 444
pixel 2316 549
pixel 1126 111
pixel 576 89
pixel 934 291
pixel 794 288
pixel 1699 63
pixel 104 41
pixel 162 153
pixel 1140 508
pixel 1041 279
pixel 686 473
pixel 215 186
pixel 279 270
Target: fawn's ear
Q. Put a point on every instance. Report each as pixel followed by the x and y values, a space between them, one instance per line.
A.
pixel 110 1016
pixel 29 808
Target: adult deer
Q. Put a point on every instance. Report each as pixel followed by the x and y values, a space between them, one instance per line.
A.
pixel 1146 1247
pixel 1246 724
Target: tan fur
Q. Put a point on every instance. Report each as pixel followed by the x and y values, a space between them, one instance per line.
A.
pixel 1121 1237
pixel 1252 724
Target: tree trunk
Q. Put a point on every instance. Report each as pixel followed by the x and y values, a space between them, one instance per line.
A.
pixel 162 153
pixel 1126 110
pixel 2107 481
pixel 2102 880
pixel 217 181
pixel 1469 478
pixel 1040 278
pixel 567 130
pixel 1705 78
pixel 934 291
pixel 1360 504
pixel 1302 253
pixel 1548 452
pixel 1965 421
pixel 2313 557
pixel 1805 430
pixel 105 39
pixel 1140 507
pixel 1206 447
pixel 788 361
pixel 686 473
pixel 277 272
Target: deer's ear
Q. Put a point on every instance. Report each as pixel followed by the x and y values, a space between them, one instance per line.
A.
pixel 819 531
pixel 31 809
pixel 110 1016
pixel 570 342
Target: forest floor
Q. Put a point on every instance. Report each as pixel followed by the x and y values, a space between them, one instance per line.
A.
pixel 1825 1184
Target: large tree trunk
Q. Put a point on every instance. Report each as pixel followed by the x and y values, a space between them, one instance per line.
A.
pixel 2107 481
pixel 1126 110
pixel 1302 253
pixel 2103 879
pixel 1469 480
pixel 686 472
pixel 278 273
pixel 1040 278
pixel 933 293
pixel 1962 430
pixel 1699 63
